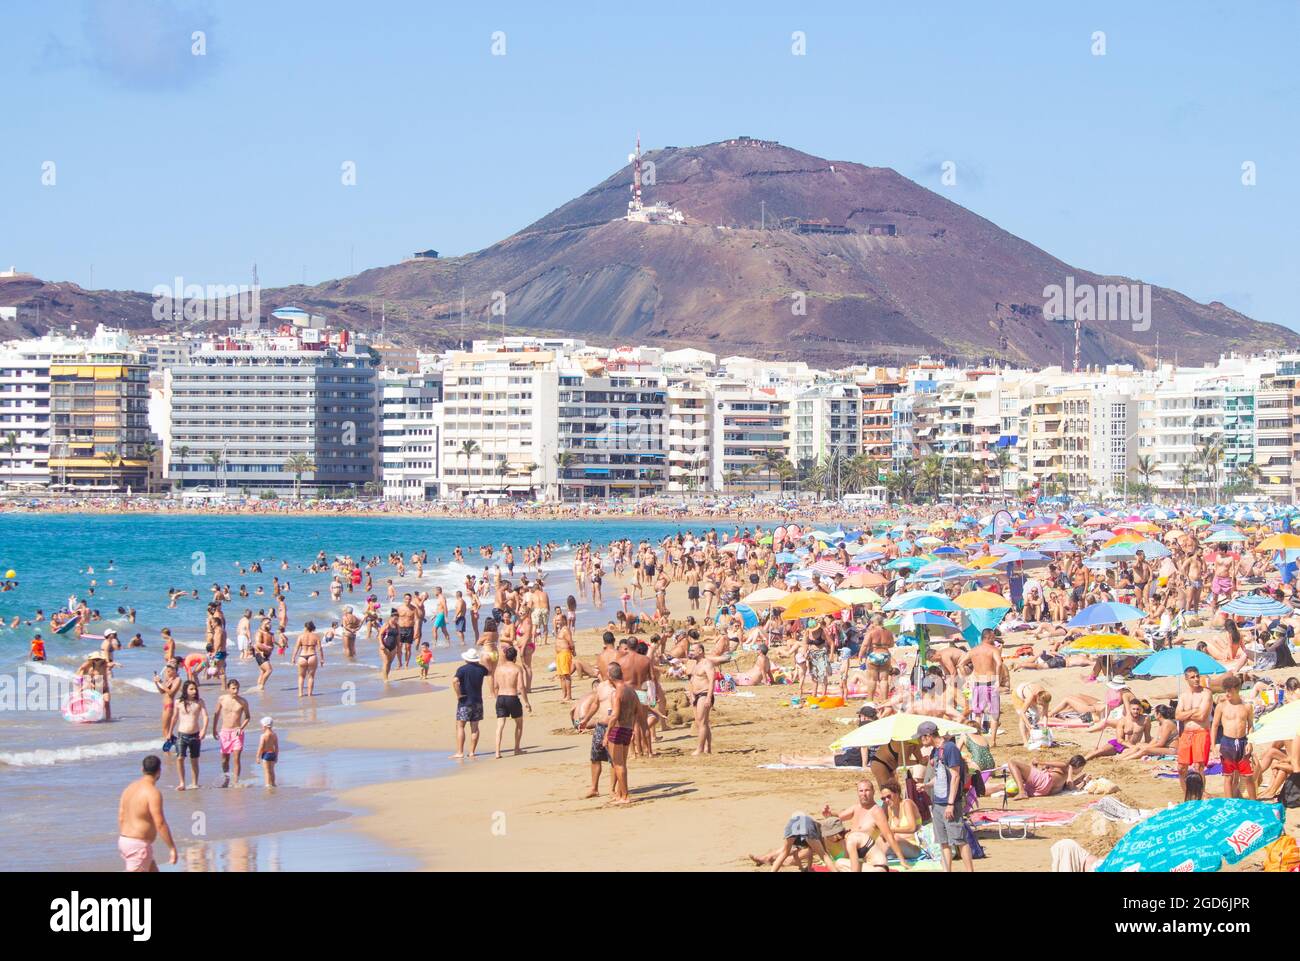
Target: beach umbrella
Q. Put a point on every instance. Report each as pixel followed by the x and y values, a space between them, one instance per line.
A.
pixel 827 566
pixel 1106 645
pixel 1099 520
pixel 812 604
pixel 1027 558
pixel 896 727
pixel 1057 547
pixel 866 557
pixel 785 557
pixel 1280 542
pixel 1256 605
pixel 981 562
pixel 942 571
pixel 909 622
pixel 1130 537
pixel 748 616
pixel 858 595
pixel 906 564
pixel 732 546
pixel 1108 612
pixel 765 597
pixel 1096 536
pixel 864 579
pixel 946 549
pixel 1228 536
pixel 1280 725
pixel 981 601
pixel 1197 836
pixel 921 601
pixel 1172 661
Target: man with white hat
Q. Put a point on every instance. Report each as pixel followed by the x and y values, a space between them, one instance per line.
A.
pixel 468 685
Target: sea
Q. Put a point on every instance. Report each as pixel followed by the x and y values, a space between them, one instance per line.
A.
pixel 60 780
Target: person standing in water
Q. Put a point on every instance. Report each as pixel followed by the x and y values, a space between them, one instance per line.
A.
pixel 140 819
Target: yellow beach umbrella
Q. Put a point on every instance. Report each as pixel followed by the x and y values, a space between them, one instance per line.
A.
pixel 981 601
pixel 1110 644
pixel 812 604
pixel 1280 725
pixel 1280 542
pixel 1124 539
pixel 896 727
pixel 981 562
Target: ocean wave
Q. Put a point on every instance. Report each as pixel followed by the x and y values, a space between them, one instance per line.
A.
pixel 82 752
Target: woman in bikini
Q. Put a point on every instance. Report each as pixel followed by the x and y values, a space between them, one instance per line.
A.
pixel 904 817
pixel 169 685
pixel 1045 778
pixel 308 654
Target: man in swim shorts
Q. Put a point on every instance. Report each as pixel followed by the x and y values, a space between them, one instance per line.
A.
pixel 1193 712
pixel 229 721
pixel 512 696
pixel 140 819
pixel 1233 721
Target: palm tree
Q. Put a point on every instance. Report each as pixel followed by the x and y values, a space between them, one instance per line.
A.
pixel 532 469
pixel 299 464
pixel 148 451
pixel 1002 460
pixel 1146 466
pixel 771 462
pixel 182 452
pixel 563 461
pixel 11 445
pixel 1185 474
pixel 748 471
pixel 1210 456
pixel 932 474
pixel 216 458
pixel 114 460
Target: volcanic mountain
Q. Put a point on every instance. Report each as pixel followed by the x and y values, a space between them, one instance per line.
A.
pixel 781 254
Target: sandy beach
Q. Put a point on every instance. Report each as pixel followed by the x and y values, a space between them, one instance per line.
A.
pixel 527 813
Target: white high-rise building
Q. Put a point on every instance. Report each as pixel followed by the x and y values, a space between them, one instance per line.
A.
pixel 25 413
pixel 410 449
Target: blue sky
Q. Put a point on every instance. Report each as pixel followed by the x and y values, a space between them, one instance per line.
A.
pixel 170 164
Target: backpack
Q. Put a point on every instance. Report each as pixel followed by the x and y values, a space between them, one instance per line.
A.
pixel 1289 796
pixel 1282 856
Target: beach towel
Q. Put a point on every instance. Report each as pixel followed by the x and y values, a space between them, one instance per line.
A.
pixel 1113 809
pixel 1215 768
pixel 809 767
pixel 1040 817
pixel 1065 722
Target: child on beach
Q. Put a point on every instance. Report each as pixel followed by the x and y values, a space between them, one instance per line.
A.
pixel 424 659
pixel 268 751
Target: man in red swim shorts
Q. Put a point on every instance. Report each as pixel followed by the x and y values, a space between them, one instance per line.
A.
pixel 1193 712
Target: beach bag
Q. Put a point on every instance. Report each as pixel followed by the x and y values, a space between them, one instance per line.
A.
pixel 1282 856
pixel 976 851
pixel 1289 796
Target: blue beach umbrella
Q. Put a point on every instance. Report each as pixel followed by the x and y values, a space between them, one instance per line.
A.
pixel 1256 605
pixel 921 601
pixel 1108 612
pixel 1197 836
pixel 785 557
pixel 748 616
pixel 1172 661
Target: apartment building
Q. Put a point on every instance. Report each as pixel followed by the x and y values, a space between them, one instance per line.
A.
pixel 410 449
pixel 500 427
pixel 690 437
pixel 99 413
pixel 751 427
pixel 273 411
pixel 612 429
pixel 827 423
pixel 25 413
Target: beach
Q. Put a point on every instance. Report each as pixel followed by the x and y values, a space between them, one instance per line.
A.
pixel 690 813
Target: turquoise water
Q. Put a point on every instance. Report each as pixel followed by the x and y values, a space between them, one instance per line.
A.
pixel 59 781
